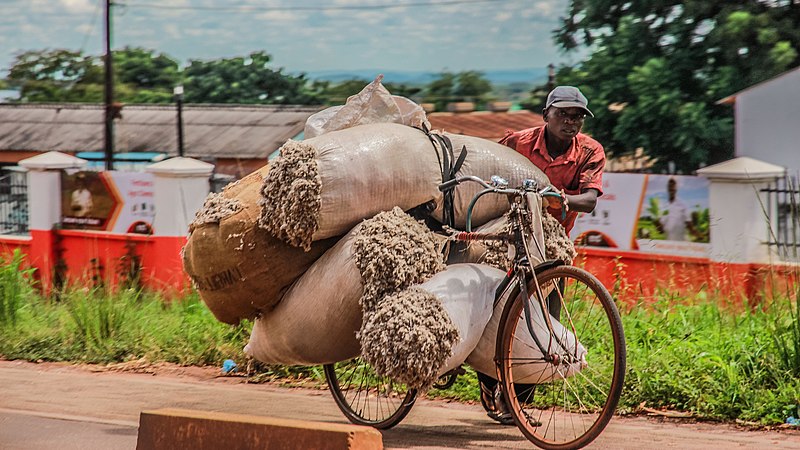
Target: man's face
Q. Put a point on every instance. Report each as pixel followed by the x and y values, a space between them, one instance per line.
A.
pixel 672 189
pixel 564 123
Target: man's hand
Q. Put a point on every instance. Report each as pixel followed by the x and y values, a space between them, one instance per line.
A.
pixel 557 203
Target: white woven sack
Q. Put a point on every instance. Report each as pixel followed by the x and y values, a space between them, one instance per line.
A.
pixel 318 317
pixel 466 292
pixel 360 171
pixel 484 159
pixel 482 358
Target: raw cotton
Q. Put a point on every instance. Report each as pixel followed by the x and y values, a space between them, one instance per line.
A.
pixel 325 185
pixel 408 336
pixel 393 252
pixel 557 244
pixel 411 337
pixel 239 269
pixel 215 208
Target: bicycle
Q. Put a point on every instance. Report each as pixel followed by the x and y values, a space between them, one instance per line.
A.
pixel 560 353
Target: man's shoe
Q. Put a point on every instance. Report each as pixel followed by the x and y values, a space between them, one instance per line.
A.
pixel 501 412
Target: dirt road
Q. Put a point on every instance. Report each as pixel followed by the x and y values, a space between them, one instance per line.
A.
pixel 91 407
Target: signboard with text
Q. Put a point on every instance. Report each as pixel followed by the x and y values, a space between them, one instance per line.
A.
pixel 119 202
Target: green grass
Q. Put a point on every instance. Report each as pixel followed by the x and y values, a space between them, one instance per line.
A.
pixel 718 362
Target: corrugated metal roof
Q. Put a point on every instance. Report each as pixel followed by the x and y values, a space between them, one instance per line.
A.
pixel 484 124
pixel 210 131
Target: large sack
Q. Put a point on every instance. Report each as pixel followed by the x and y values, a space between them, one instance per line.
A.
pixel 484 159
pixel 317 320
pixel 482 357
pixel 323 186
pixel 239 269
pixel 410 337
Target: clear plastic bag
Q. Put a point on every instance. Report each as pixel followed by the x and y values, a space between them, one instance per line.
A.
pixel 374 104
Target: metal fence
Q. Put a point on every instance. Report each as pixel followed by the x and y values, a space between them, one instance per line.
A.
pixel 783 207
pixel 13 202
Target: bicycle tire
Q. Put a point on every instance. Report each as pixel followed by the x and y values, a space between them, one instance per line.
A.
pixel 366 398
pixel 563 405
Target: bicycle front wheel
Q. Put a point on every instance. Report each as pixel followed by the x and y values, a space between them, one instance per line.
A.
pixel 562 400
pixel 366 398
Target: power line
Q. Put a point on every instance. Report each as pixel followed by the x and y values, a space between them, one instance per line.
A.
pixel 91 25
pixel 250 8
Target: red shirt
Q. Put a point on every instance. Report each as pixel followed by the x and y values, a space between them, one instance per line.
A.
pixel 577 170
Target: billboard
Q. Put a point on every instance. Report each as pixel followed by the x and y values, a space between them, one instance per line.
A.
pixel 666 214
pixel 118 202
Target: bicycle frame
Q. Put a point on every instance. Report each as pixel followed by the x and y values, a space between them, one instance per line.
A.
pixel 522 270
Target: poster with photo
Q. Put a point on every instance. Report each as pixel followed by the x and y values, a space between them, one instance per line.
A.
pixel 651 213
pixel 119 202
pixel 674 216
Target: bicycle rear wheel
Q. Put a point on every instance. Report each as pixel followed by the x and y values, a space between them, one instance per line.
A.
pixel 563 402
pixel 366 398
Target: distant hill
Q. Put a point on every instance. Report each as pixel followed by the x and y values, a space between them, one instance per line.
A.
pixel 496 77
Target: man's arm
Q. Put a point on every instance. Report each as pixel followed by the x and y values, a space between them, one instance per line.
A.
pixel 583 202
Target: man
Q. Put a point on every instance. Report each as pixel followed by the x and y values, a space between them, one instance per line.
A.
pixel 676 219
pixel 574 164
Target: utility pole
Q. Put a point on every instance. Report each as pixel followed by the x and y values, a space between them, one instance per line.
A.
pixel 109 93
pixel 178 91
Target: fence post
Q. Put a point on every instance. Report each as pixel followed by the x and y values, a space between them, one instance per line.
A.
pixel 44 207
pixel 739 221
pixel 181 186
pixel 739 226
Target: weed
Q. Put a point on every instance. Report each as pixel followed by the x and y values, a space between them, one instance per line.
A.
pixel 15 285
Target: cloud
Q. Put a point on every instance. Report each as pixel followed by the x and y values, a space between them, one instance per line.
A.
pixel 79 6
pixel 468 35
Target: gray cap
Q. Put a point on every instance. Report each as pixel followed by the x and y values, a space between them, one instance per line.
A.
pixel 567 97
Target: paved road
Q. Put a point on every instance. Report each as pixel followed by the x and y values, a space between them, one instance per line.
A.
pixel 53 406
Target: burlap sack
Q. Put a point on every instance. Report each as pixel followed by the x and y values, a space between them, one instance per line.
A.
pixel 317 320
pixel 238 269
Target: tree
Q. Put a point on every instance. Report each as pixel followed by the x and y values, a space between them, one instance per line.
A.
pixel 468 86
pixel 246 80
pixel 56 76
pixel 658 68
pixel 140 76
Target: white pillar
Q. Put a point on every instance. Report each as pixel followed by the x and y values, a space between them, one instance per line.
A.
pixel 739 226
pixel 44 187
pixel 181 186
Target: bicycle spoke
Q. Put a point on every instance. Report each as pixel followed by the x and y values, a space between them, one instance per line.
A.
pixel 579 388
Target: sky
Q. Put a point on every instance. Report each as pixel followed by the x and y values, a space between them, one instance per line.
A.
pixel 301 35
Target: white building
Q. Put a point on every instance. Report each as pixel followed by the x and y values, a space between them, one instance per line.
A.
pixel 767 120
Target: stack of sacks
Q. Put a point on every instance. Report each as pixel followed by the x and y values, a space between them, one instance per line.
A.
pixel 290 251
pixel 239 269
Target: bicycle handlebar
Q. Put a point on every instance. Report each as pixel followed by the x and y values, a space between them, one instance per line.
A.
pixel 528 185
pixel 498 186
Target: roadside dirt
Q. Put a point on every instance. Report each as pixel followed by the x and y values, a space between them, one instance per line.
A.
pixel 118 393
